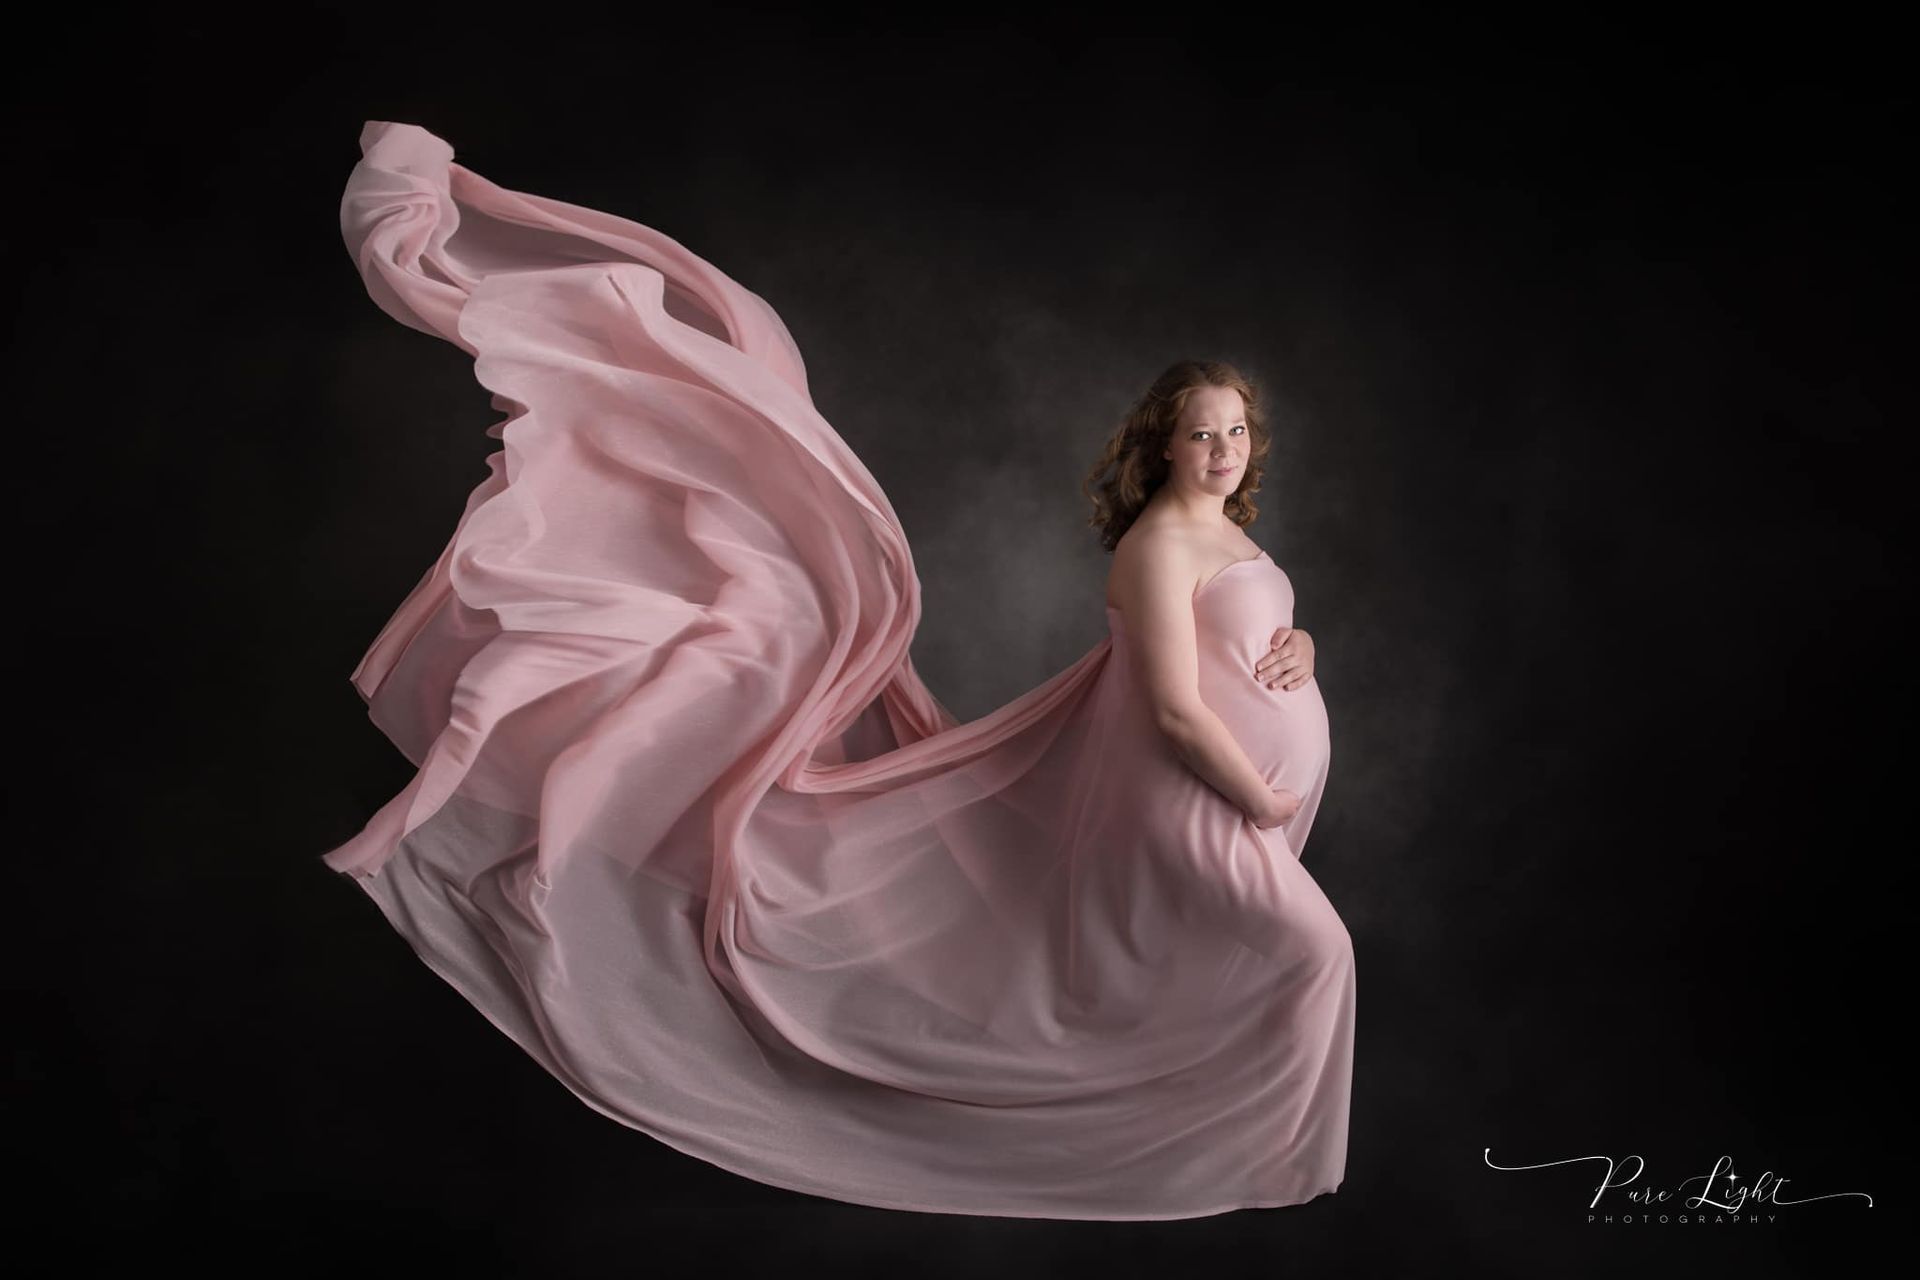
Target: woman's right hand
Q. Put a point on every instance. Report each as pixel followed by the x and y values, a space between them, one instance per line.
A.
pixel 1282 804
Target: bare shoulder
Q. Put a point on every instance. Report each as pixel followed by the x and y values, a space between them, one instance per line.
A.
pixel 1152 559
pixel 1160 558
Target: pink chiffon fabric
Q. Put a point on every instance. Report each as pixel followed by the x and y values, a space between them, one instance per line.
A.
pixel 688 827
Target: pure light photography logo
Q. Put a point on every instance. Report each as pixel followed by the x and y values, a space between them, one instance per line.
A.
pixel 1719 1197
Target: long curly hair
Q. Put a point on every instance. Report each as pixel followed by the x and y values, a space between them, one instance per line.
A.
pixel 1131 468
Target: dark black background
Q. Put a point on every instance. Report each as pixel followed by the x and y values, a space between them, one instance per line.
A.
pixel 1580 341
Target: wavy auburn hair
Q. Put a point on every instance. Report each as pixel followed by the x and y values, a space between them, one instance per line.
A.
pixel 1131 468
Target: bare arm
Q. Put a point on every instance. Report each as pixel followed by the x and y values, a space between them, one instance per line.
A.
pixel 1154 589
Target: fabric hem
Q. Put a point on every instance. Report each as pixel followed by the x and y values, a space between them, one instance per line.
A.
pixel 863 1199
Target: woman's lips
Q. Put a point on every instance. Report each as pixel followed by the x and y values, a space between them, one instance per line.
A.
pixel 1221 471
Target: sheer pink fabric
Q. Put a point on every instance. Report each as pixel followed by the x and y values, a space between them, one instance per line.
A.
pixel 688 827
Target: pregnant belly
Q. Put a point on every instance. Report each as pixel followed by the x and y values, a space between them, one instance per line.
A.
pixel 1283 731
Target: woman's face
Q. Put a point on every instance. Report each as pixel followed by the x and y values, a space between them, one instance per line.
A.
pixel 1208 449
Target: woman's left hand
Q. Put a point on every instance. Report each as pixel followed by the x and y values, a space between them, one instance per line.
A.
pixel 1289 663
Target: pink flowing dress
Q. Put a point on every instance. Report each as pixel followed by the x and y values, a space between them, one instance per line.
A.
pixel 688 828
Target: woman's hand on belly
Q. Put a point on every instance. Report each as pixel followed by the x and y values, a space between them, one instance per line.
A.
pixel 1283 806
pixel 1288 661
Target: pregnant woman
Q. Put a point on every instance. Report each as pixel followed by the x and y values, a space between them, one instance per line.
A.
pixel 1191 605
pixel 687 825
